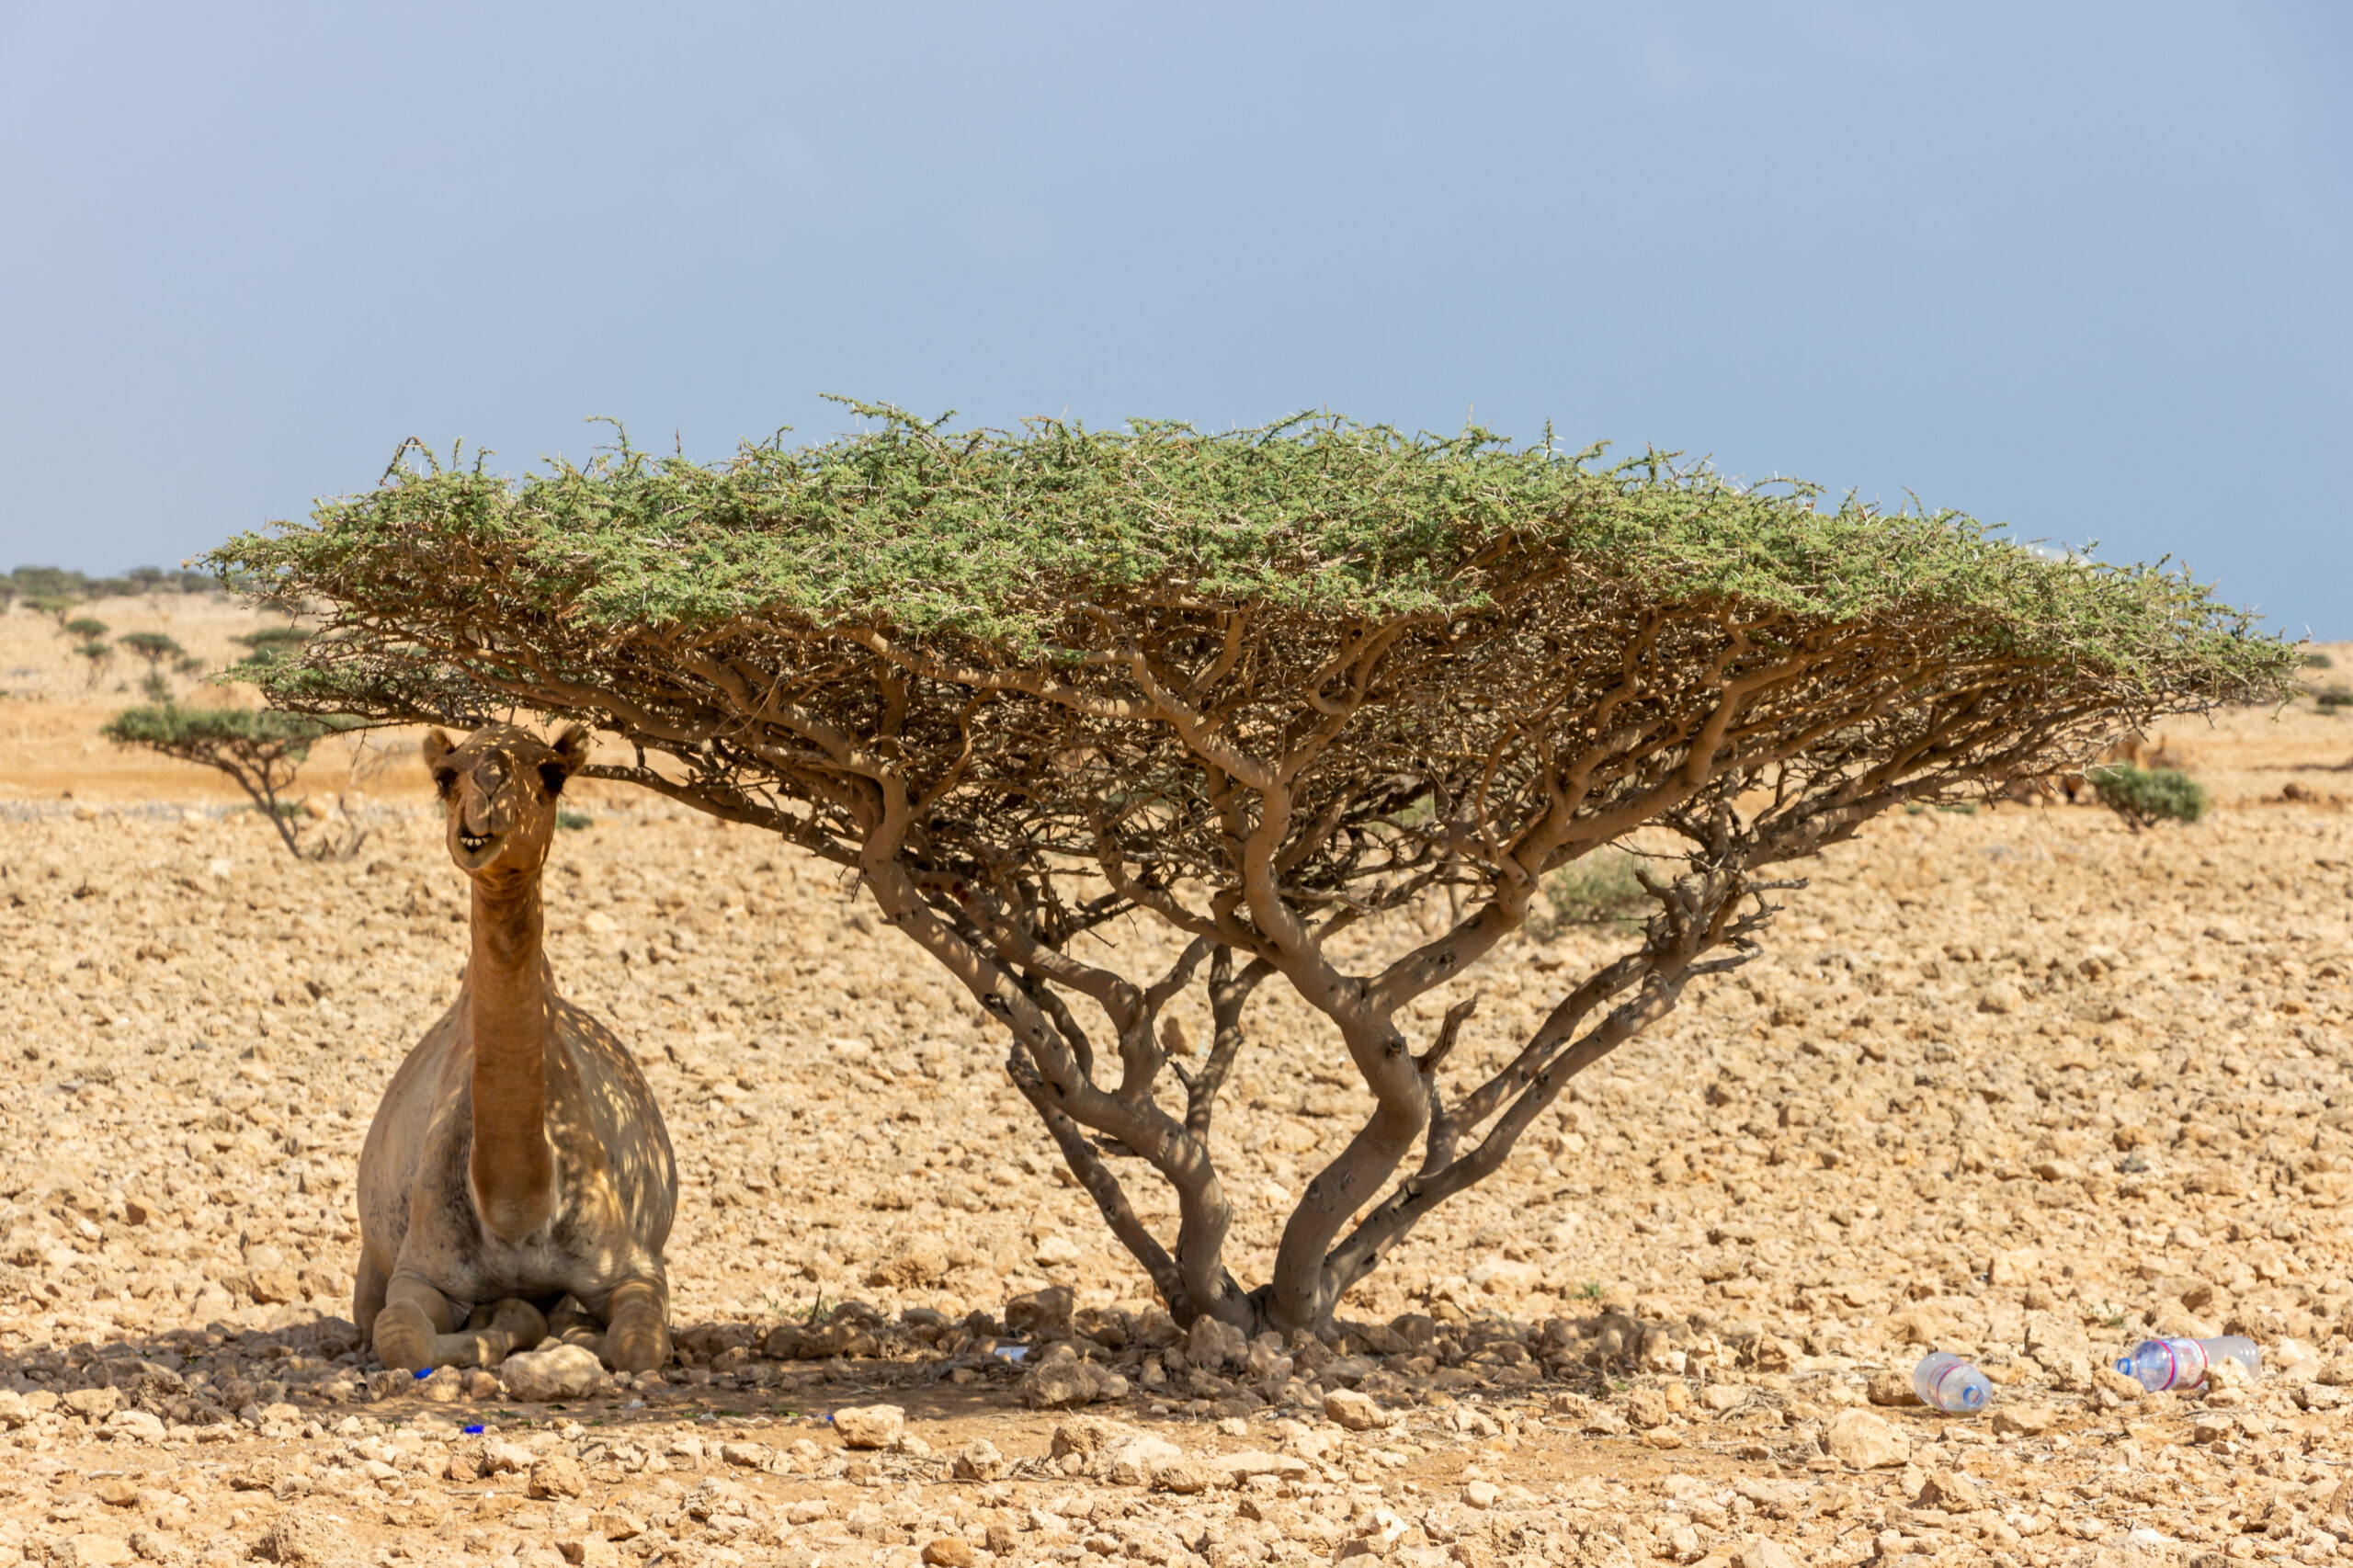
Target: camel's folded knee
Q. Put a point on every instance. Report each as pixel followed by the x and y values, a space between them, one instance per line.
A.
pixel 405 1337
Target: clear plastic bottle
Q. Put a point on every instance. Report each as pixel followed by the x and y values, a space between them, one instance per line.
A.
pixel 2159 1364
pixel 1951 1383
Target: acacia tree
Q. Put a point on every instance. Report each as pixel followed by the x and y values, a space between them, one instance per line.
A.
pixel 1260 687
pixel 261 748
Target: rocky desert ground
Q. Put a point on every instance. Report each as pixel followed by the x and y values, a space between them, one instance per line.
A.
pixel 2015 1082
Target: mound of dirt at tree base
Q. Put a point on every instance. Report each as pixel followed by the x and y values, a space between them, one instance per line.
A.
pixel 2017 1084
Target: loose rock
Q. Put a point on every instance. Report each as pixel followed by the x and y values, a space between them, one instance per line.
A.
pixel 1356 1412
pixel 1866 1441
pixel 559 1372
pixel 869 1426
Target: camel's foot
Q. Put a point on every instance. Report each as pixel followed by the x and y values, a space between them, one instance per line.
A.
pixel 493 1333
pixel 572 1323
pixel 638 1336
pixel 407 1337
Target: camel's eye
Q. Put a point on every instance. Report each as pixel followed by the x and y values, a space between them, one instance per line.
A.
pixel 445 780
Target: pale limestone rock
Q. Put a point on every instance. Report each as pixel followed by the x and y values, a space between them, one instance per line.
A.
pixel 979 1460
pixel 1356 1412
pixel 306 1537
pixel 1136 1459
pixel 1864 1440
pixel 1213 1345
pixel 559 1372
pixel 869 1426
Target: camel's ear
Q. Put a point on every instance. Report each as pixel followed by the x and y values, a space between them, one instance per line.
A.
pixel 436 748
pixel 572 749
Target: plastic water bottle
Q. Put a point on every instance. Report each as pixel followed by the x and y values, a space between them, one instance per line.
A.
pixel 2159 1364
pixel 1951 1383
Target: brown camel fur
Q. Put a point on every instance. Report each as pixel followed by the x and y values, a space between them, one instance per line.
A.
pixel 517 1158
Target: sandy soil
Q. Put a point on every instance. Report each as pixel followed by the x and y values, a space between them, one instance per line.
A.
pixel 2016 1083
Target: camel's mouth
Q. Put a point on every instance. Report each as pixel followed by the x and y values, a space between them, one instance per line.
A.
pixel 475 847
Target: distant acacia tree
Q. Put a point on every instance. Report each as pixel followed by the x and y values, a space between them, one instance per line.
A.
pixel 1260 687
pixel 261 748
pixel 155 647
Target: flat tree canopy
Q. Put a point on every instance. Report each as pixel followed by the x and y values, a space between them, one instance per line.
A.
pixel 1262 687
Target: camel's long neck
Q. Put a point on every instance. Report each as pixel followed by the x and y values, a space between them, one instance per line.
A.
pixel 511 999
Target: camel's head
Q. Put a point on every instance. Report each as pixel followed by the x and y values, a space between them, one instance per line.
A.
pixel 499 788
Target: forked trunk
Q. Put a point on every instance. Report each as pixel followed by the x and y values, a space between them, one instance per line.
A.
pixel 509 1016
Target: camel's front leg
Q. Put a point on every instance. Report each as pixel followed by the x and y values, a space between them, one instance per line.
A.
pixel 366 1295
pixel 637 1325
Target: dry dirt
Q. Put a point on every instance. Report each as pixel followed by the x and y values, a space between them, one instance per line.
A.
pixel 2017 1084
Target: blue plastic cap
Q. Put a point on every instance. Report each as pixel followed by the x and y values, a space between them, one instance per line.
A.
pixel 425 1374
pixel 474 1430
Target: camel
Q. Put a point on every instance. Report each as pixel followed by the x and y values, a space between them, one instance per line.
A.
pixel 517 1158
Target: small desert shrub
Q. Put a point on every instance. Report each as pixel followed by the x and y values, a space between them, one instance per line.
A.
pixel 574 819
pixel 87 627
pixel 2332 698
pixel 1599 889
pixel 2319 660
pixel 2144 796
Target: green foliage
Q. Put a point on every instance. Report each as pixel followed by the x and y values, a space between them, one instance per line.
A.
pixel 996 537
pixel 56 605
pixel 1600 890
pixel 2316 660
pixel 272 645
pixel 2333 696
pixel 154 687
pixel 98 654
pixel 153 646
pixel 567 818
pixel 2144 796
pixel 196 731
pixel 85 626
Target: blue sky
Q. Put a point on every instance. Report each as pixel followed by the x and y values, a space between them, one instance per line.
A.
pixel 2080 268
